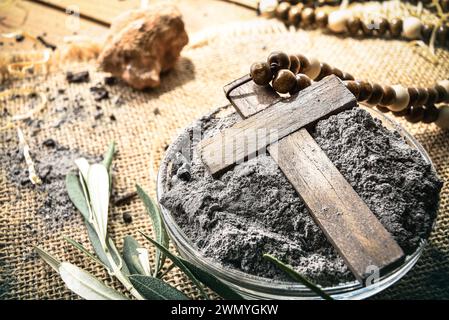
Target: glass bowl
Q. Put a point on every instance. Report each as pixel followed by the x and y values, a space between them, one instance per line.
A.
pixel 255 287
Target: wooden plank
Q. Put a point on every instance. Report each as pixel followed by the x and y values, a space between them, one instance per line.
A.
pixel 343 216
pixel 249 98
pixel 254 134
pixel 37 20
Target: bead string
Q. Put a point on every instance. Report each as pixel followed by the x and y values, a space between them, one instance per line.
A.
pixel 289 74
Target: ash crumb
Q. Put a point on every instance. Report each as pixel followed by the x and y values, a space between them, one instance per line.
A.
pixel 252 208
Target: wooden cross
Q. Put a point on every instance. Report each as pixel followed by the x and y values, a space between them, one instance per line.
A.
pixel 281 125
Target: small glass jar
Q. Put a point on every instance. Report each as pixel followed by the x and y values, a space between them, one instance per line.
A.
pixel 254 287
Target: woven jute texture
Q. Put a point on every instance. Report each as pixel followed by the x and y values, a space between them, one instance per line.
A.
pixel 148 121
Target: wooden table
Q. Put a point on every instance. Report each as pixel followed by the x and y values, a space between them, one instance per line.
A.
pixel 50 17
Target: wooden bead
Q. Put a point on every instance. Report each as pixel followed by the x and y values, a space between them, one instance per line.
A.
pixel 442 94
pixel 412 28
pixel 443 117
pixel 368 28
pixel 415 114
pixel 307 17
pixel 294 15
pixel 261 73
pixel 422 97
pixel 426 32
pixel 442 33
pixel 313 70
pixel 278 60
pixel 284 81
pixel 282 10
pixel 304 63
pixel 325 70
pixel 365 90
pixel 353 25
pixel 430 114
pixel 303 81
pixel 377 94
pixel 337 20
pixel 382 109
pixel 413 96
pixel 267 8
pixel 389 96
pixel 432 96
pixel 445 85
pixel 401 113
pixel 396 27
pixel 354 87
pixel 401 101
pixel 294 64
pixel 321 19
pixel 384 25
pixel 347 76
pixel 338 73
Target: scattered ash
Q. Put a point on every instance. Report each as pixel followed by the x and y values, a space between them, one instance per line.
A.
pixel 77 77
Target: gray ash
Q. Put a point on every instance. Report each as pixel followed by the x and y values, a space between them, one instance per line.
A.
pixel 252 208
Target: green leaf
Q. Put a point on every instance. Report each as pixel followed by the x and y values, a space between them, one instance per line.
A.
pixel 136 257
pixel 52 261
pixel 179 264
pixel 109 155
pixel 76 194
pixel 98 186
pixel 155 289
pixel 86 285
pixel 158 225
pixel 298 277
pixel 81 248
pixel 222 289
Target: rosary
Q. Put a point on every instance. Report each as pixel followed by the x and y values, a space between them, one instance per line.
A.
pixel 289 74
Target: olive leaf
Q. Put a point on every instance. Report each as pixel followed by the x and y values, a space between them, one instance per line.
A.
pixel 155 289
pixel 98 187
pixel 219 287
pixel 83 166
pixel 158 225
pixel 81 248
pixel 297 277
pixel 136 257
pixel 176 260
pixel 86 285
pixel 109 155
pixel 76 194
pixel 51 261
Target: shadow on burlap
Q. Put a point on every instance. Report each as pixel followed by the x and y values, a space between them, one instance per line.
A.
pixel 148 121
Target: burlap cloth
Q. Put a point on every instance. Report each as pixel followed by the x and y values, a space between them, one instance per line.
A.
pixel 194 87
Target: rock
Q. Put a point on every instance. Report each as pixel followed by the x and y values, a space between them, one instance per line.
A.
pixel 143 43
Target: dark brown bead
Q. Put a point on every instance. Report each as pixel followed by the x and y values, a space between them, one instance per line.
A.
pixel 382 109
pixel 304 62
pixel 415 114
pixel 442 33
pixel 442 94
pixel 384 25
pixel 377 94
pixel 396 27
pixel 422 97
pixel 430 114
pixel 261 73
pixel 354 87
pixel 282 10
pixel 388 97
pixel 368 28
pixel 347 76
pixel 401 113
pixel 294 64
pixel 303 81
pixel 338 73
pixel 321 19
pixel 325 71
pixel 414 95
pixel 294 15
pixel 278 60
pixel 426 32
pixel 365 90
pixel 284 81
pixel 353 25
pixel 432 96
pixel 307 17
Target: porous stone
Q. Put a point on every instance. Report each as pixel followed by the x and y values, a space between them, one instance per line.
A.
pixel 143 43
